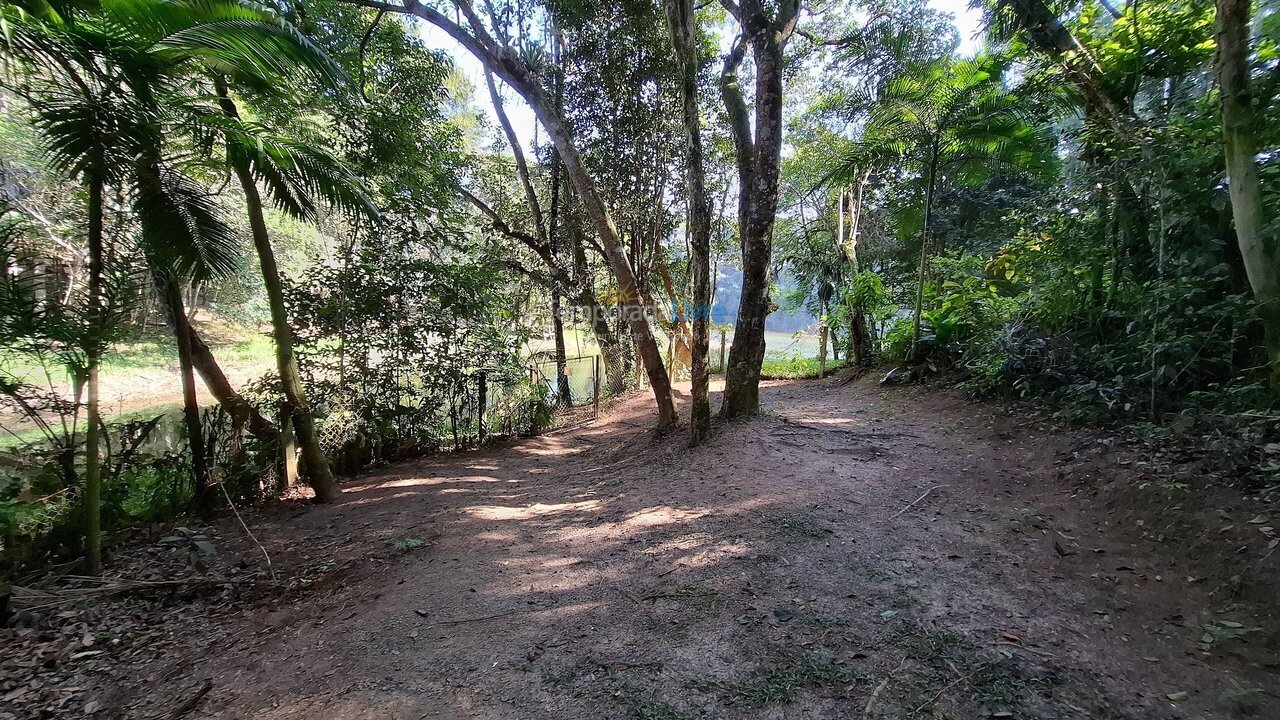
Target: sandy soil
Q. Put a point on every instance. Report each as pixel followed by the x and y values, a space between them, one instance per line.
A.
pixel 855 552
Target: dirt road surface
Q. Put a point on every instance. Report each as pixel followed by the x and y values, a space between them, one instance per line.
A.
pixel 855 552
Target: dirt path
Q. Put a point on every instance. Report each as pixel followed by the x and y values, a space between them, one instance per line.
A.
pixel 854 553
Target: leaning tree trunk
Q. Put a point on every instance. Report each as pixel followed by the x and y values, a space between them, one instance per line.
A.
pixel 546 232
pixel 628 287
pixel 93 433
pixel 1260 250
pixel 241 411
pixel 171 300
pixel 507 64
pixel 319 475
pixel 680 19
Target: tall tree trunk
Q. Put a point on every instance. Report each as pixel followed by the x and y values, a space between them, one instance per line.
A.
pixel 759 163
pixel 93 432
pixel 746 354
pixel 553 230
pixel 508 65
pixel 859 337
pixel 931 182
pixel 318 473
pixel 1260 250
pixel 171 300
pixel 557 313
pixel 680 20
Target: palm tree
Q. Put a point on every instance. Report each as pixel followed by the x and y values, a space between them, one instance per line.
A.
pixel 89 123
pixel 259 51
pixel 293 174
pixel 956 121
pixel 106 83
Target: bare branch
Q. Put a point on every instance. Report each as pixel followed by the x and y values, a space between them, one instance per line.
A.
pixel 522 167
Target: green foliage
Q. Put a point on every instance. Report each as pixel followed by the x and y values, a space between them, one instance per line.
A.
pixel 963 308
pixel 406 544
pixel 1073 256
pixel 392 343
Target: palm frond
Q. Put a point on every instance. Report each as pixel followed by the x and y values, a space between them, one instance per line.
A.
pixel 182 228
pixel 298 175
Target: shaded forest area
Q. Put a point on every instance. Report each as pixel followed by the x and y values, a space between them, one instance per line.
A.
pixel 429 227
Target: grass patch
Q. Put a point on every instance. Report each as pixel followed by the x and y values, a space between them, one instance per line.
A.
pixel 1004 683
pixel 644 705
pixel 803 528
pixel 790 368
pixel 783 683
pixel 992 679
pixel 931 647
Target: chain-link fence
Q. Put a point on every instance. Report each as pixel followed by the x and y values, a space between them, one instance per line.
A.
pixel 572 392
pixel 478 407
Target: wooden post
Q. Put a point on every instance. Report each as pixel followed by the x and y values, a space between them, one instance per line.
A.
pixel 596 385
pixel 288 450
pixel 482 389
pixel 822 350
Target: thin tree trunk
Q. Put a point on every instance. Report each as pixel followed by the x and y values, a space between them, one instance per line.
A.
pixel 318 473
pixel 171 300
pixel 553 231
pixel 93 432
pixel 924 253
pixel 557 329
pixel 1261 251
pixel 557 313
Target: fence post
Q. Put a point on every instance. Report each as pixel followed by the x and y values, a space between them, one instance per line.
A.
pixel 482 389
pixel 596 382
pixel 822 350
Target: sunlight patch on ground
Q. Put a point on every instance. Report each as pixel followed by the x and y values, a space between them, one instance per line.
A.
pixel 553 449
pixel 662 515
pixel 414 481
pixel 410 482
pixel 700 549
pixel 831 421
pixel 495 536
pixel 502 512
